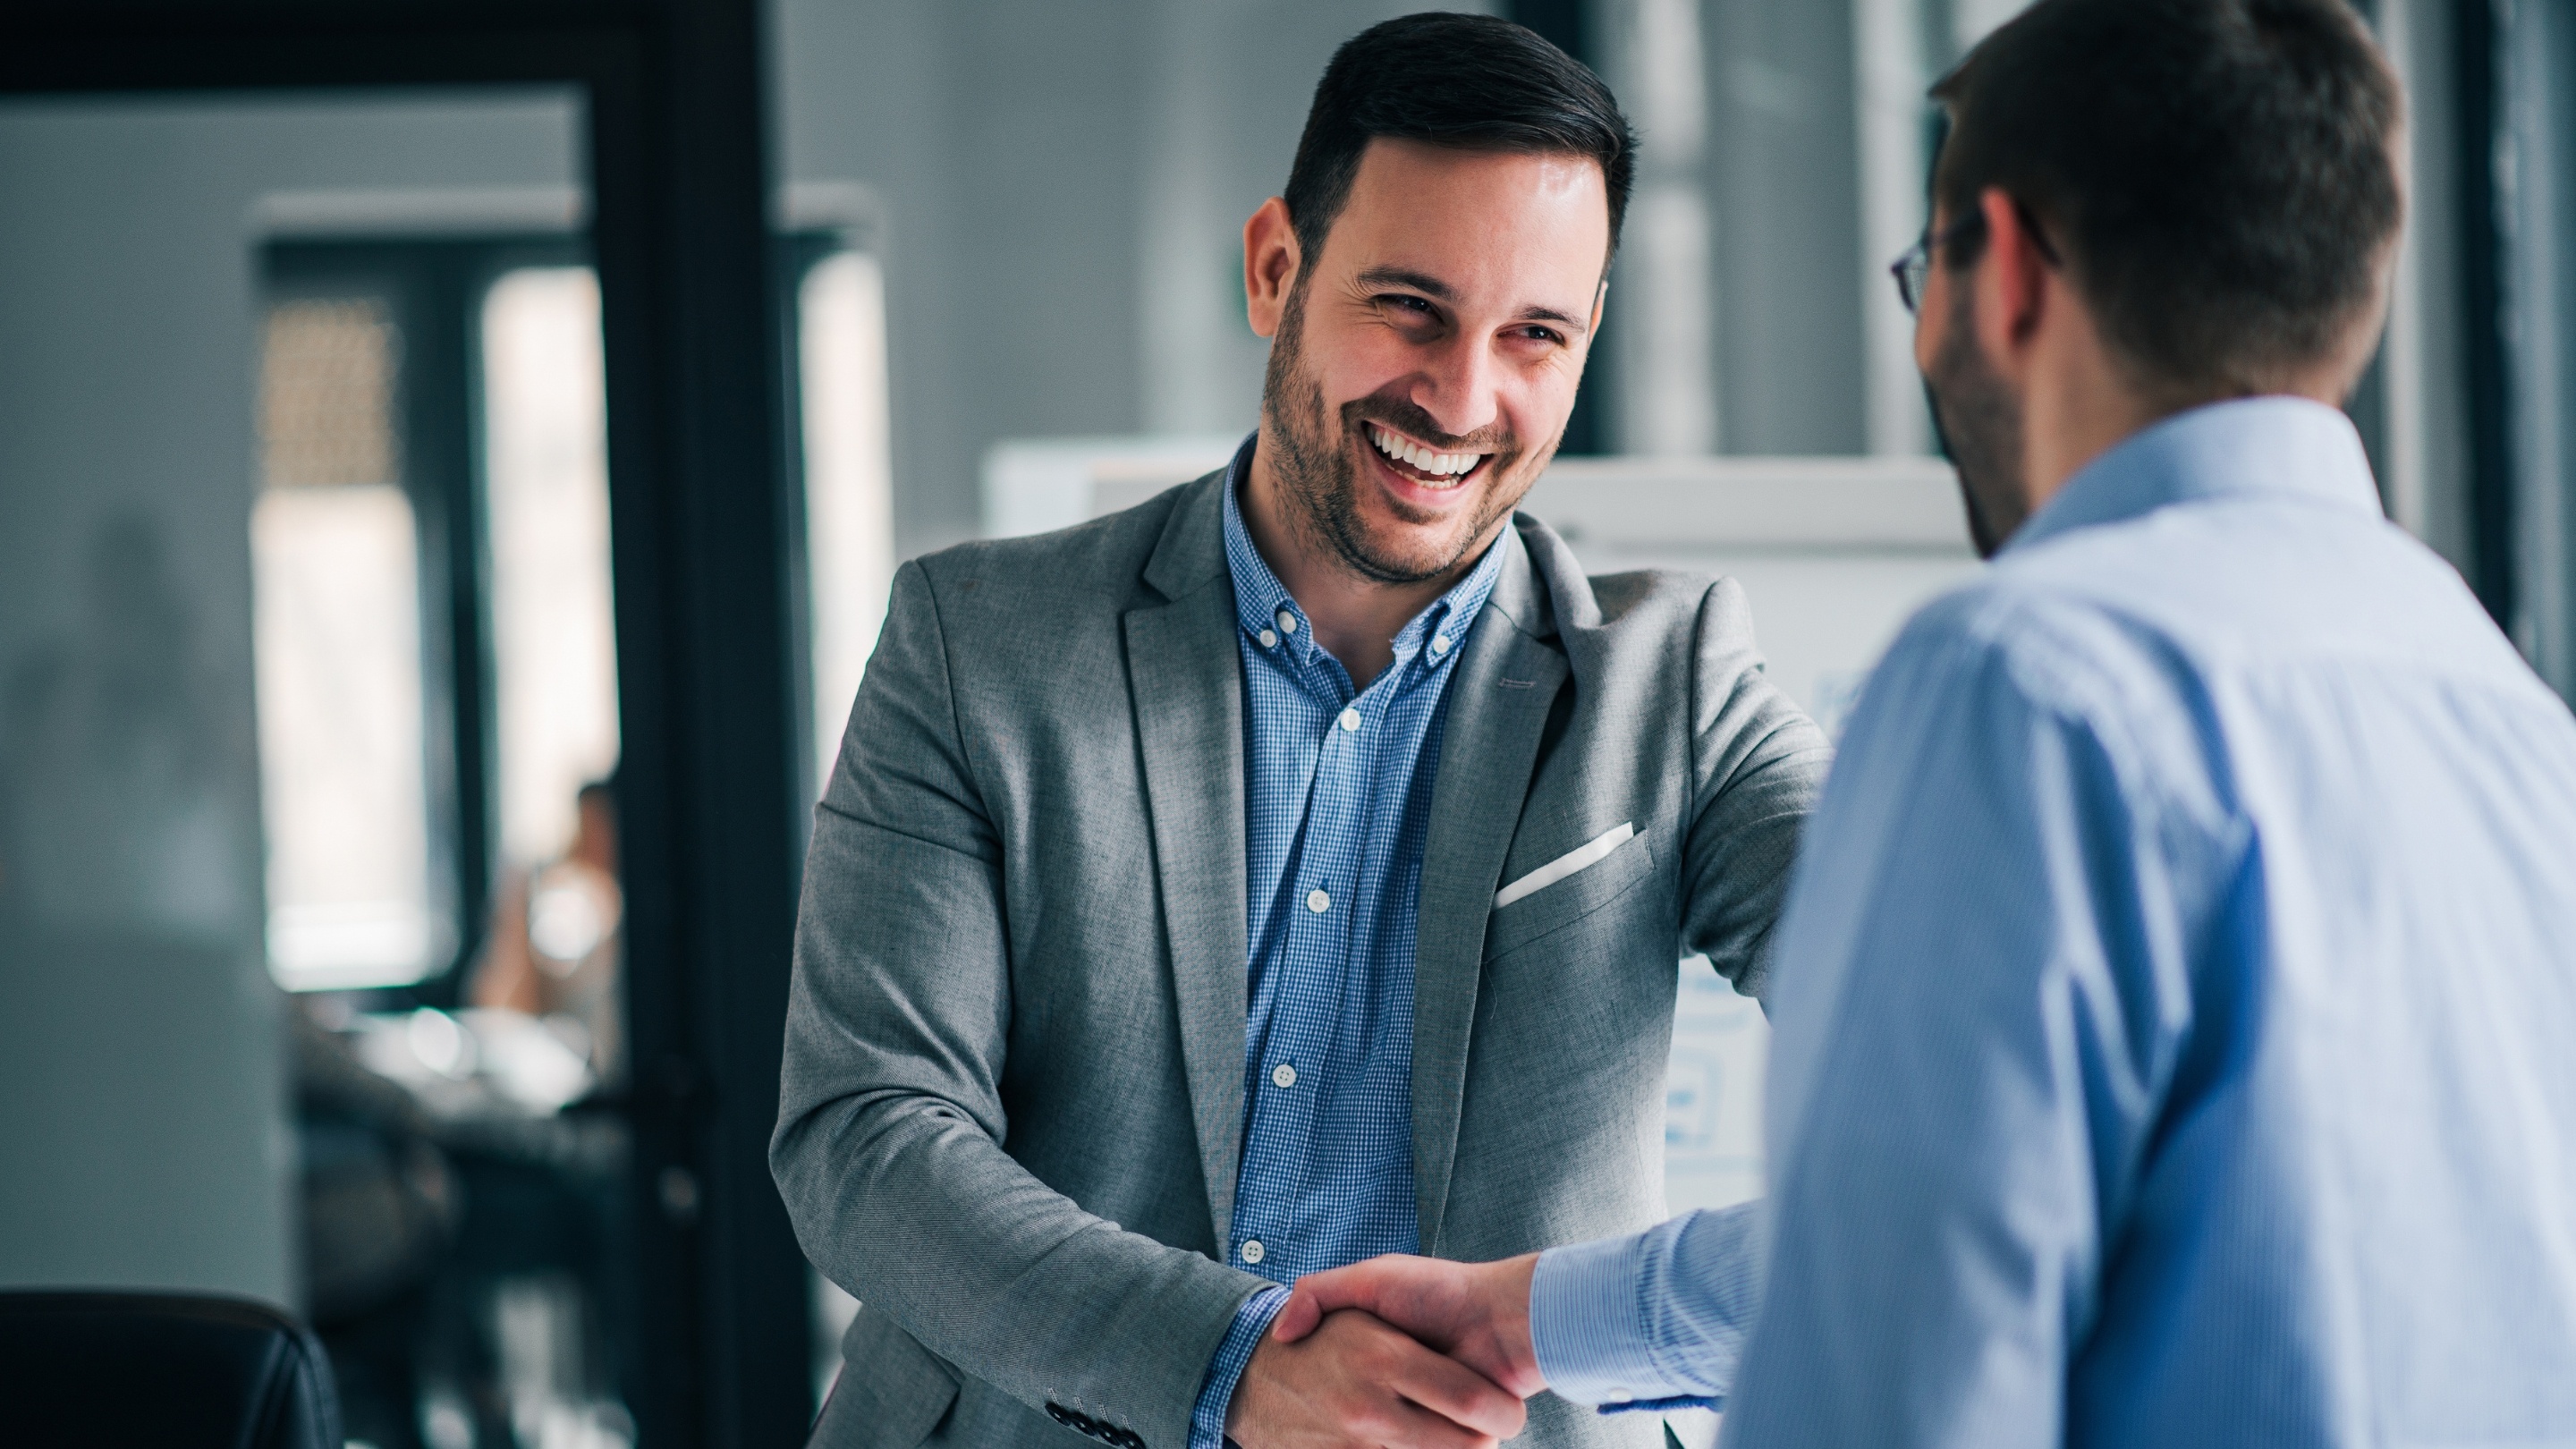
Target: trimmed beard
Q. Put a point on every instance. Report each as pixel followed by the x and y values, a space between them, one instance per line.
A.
pixel 1318 479
pixel 1977 421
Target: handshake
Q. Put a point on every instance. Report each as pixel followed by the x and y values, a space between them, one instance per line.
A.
pixel 1396 1351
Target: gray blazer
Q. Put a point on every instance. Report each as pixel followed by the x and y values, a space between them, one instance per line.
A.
pixel 1013 1098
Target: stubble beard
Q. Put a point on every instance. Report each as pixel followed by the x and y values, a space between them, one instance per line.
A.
pixel 1978 422
pixel 1320 483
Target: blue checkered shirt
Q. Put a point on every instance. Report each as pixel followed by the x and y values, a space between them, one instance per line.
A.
pixel 1336 805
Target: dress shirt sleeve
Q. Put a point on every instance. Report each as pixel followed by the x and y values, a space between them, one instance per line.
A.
pixel 1983 983
pixel 1656 1320
pixel 1216 1395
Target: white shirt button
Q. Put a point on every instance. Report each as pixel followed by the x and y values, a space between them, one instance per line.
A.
pixel 1252 1250
pixel 1269 640
pixel 1283 1076
pixel 1350 719
pixel 1439 643
pixel 1318 902
pixel 1287 622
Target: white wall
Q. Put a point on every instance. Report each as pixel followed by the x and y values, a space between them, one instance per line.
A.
pixel 144 1139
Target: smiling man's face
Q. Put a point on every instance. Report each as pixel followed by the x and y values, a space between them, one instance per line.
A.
pixel 1425 363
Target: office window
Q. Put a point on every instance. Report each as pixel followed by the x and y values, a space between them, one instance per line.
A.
pixel 337 641
pixel 546 507
pixel 849 503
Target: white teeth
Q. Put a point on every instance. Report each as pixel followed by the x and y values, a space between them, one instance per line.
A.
pixel 1406 450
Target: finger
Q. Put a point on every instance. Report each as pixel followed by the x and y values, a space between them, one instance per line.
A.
pixel 1416 1427
pixel 1457 1393
pixel 1298 1318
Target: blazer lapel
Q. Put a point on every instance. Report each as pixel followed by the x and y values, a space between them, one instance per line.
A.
pixel 1185 681
pixel 1498 706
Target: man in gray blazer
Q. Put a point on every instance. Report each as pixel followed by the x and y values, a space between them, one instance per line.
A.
pixel 1291 869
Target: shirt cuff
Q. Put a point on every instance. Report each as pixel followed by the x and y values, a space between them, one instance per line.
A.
pixel 1216 1392
pixel 1584 1324
pixel 1651 1320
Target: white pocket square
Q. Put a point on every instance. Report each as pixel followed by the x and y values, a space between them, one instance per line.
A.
pixel 1582 857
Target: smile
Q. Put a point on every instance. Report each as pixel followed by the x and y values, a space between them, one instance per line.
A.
pixel 1422 465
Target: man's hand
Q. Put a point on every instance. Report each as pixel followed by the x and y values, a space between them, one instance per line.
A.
pixel 1352 1381
pixel 1477 1313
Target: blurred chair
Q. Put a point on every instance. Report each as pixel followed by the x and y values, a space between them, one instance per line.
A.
pixel 160 1371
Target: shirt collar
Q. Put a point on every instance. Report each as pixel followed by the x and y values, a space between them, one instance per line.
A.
pixel 2283 447
pixel 1261 601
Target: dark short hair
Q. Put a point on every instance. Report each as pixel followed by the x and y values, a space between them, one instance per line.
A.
pixel 2219 175
pixel 1469 81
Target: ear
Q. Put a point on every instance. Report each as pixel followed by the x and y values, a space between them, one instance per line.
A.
pixel 1592 329
pixel 2015 287
pixel 1270 262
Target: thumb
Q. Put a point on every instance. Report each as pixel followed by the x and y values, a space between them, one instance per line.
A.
pixel 1317 1294
pixel 1299 1317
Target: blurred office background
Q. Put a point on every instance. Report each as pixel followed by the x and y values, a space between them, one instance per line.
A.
pixel 317 818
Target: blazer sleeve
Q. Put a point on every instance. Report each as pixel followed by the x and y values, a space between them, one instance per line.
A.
pixel 1758 768
pixel 889 1149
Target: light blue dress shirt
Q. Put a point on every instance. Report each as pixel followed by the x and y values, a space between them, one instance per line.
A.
pixel 2175 1014
pixel 1336 806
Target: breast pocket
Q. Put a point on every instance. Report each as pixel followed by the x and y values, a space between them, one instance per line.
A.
pixel 1561 902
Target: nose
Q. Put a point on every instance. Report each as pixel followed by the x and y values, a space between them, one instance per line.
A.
pixel 1459 386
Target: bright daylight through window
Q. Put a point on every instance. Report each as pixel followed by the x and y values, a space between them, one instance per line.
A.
pixel 338 649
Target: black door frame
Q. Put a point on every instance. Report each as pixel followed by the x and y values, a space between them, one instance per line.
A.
pixel 679 181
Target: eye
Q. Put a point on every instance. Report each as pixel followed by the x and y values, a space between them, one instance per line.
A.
pixel 1533 332
pixel 1407 302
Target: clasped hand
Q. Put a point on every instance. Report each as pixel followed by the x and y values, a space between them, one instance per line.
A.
pixel 1396 1352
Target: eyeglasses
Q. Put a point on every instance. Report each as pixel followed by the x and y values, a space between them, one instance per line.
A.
pixel 1914 269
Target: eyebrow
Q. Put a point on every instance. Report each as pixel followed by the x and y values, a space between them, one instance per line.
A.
pixel 1432 286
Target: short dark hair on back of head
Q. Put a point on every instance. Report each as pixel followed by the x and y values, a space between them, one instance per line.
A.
pixel 1469 81
pixel 2219 174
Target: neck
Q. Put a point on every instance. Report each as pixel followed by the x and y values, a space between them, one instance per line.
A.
pixel 1355 617
pixel 2081 404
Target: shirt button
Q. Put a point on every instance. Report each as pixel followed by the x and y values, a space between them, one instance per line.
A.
pixel 1269 640
pixel 1287 622
pixel 1252 1250
pixel 1350 719
pixel 1439 643
pixel 1318 902
pixel 1283 1076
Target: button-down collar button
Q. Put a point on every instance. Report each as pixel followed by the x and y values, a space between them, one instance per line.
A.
pixel 1287 622
pixel 1318 902
pixel 1283 1076
pixel 1252 1250
pixel 1439 643
pixel 1350 719
pixel 1269 640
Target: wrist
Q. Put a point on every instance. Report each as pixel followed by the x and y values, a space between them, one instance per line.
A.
pixel 1509 1313
pixel 1213 1417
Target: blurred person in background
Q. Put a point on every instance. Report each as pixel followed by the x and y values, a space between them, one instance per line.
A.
pixel 2174 1009
pixel 556 940
pixel 1292 868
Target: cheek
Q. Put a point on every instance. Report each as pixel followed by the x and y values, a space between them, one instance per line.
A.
pixel 1536 400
